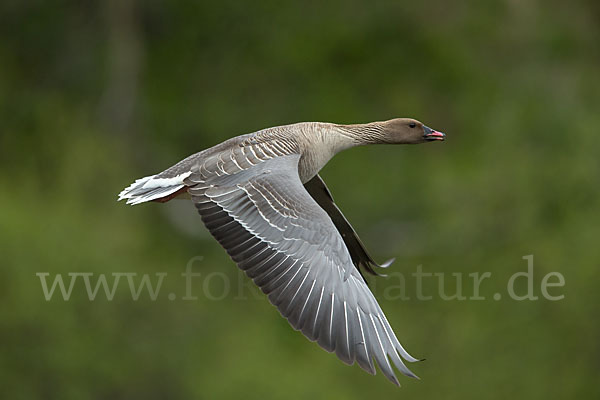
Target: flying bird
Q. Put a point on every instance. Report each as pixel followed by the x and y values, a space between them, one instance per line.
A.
pixel 261 197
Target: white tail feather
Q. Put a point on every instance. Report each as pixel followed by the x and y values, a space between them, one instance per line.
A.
pixel 151 188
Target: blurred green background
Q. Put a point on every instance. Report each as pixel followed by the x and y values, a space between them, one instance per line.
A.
pixel 96 94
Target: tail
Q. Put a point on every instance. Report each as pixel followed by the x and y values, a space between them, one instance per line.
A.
pixel 154 188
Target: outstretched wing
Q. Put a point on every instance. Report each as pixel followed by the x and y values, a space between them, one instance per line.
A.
pixel 288 245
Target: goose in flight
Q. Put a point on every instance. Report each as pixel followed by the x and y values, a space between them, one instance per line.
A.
pixel 261 197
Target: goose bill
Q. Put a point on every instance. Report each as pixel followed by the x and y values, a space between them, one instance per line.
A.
pixel 431 135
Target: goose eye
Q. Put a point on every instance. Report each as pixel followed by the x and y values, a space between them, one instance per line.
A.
pixel 412 125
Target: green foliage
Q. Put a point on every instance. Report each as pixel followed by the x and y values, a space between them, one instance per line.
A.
pixel 94 95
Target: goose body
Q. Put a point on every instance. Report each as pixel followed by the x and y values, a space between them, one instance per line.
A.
pixel 261 197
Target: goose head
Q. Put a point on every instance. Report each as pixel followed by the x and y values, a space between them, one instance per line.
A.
pixel 409 131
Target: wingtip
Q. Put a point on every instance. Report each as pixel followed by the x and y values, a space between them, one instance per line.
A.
pixel 387 263
pixel 410 358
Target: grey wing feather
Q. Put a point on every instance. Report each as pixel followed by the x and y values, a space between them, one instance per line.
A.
pixel 289 246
